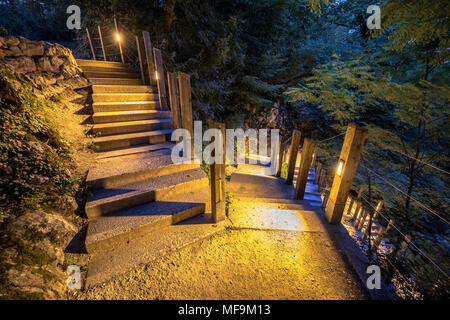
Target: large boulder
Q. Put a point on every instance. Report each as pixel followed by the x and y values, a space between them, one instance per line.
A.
pixel 31 48
pixel 21 64
pixel 12 41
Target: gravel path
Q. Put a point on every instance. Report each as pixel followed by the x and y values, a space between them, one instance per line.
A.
pixel 242 264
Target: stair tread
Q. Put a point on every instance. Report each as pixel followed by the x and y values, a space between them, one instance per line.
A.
pixel 124 103
pixel 126 112
pixel 131 123
pixel 132 135
pixel 146 214
pixel 131 163
pixel 133 150
pixel 157 183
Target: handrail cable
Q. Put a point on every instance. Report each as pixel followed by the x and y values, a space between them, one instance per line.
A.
pixel 421 161
pixel 393 186
pixel 408 240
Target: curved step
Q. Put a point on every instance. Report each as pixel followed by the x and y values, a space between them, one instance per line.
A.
pixel 110 200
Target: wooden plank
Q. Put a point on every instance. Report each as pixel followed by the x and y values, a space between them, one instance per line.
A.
pixel 101 42
pixel 174 100
pixel 281 147
pixel 349 157
pixel 295 144
pixel 149 58
pixel 303 170
pixel 184 87
pixel 119 41
pixel 218 178
pixel 141 62
pixel 160 79
pixel 91 44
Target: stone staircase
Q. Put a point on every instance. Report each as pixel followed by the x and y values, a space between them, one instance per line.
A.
pixel 136 193
pixel 125 112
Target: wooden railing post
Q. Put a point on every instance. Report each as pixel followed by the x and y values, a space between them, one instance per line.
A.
pixel 217 171
pixel 370 221
pixel 119 40
pixel 381 233
pixel 149 58
pixel 281 147
pixel 345 172
pixel 160 79
pixel 174 100
pixel 295 144
pixel 141 62
pixel 91 44
pixel 303 170
pixel 184 86
pixel 317 173
pixel 100 34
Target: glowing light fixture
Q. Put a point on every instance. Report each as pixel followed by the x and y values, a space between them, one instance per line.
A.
pixel 118 37
pixel 156 75
pixel 340 168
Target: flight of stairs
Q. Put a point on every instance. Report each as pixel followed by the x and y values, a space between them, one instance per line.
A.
pixel 125 112
pixel 136 194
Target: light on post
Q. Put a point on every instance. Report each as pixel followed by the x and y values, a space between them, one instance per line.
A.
pixel 340 168
pixel 156 75
pixel 117 37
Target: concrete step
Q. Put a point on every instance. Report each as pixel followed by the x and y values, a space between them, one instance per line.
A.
pixel 115 81
pixel 150 246
pixel 98 63
pixel 130 139
pixel 123 89
pixel 134 150
pixel 123 97
pixel 104 129
pixel 122 170
pixel 125 106
pixel 105 201
pixel 129 115
pixel 112 74
pixel 110 231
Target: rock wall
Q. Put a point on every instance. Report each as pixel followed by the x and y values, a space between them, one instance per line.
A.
pixel 44 64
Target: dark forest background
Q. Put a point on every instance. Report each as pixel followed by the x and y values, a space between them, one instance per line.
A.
pixel 312 65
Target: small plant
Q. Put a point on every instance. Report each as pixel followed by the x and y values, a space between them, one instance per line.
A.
pixel 57 97
pixel 229 198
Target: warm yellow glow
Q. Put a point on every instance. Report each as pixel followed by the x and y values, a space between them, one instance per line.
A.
pixel 156 75
pixel 118 37
pixel 340 167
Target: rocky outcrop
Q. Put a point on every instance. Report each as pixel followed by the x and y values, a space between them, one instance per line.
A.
pixel 44 64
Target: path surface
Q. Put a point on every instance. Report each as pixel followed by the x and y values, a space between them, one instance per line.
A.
pixel 242 264
pixel 271 250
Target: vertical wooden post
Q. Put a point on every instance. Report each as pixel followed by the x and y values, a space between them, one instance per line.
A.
pixel 281 147
pixel 358 203
pixel 184 85
pixel 370 221
pixel 325 198
pixel 174 99
pixel 322 180
pixel 91 44
pixel 303 170
pixel 381 233
pixel 100 34
pixel 348 163
pixel 362 219
pixel 217 171
pixel 317 173
pixel 295 144
pixel 119 41
pixel 141 62
pixel 149 58
pixel 160 79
